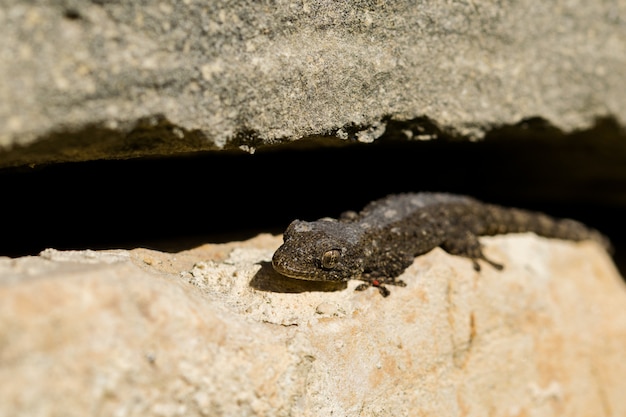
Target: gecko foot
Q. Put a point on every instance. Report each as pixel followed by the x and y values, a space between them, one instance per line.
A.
pixel 495 265
pixel 465 243
pixel 384 291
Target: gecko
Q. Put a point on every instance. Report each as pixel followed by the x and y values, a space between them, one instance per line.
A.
pixel 378 243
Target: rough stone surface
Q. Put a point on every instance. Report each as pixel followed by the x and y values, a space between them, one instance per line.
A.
pixel 213 331
pixel 89 80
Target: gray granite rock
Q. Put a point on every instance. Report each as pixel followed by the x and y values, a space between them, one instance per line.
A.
pixel 88 80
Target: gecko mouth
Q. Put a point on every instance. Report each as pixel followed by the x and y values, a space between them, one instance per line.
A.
pixel 285 264
pixel 288 271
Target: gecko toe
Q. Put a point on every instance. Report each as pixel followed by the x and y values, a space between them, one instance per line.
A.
pixel 475 265
pixel 496 265
pixel 384 291
pixel 499 267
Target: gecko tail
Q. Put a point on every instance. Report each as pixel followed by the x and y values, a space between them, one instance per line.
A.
pixel 518 221
pixel 577 231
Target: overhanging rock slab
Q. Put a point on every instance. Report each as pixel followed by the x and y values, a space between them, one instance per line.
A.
pixel 103 80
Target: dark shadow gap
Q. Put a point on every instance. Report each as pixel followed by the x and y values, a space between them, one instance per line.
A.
pixel 178 203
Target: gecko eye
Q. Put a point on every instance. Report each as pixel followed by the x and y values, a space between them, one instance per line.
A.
pixel 330 258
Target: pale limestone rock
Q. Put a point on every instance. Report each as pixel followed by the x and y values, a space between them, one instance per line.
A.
pixel 205 332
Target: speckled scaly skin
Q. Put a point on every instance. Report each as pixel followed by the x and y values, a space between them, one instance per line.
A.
pixel 379 243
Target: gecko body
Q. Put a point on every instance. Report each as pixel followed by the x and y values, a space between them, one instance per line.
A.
pixel 377 244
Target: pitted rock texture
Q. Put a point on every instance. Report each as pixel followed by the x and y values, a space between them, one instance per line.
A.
pixel 105 80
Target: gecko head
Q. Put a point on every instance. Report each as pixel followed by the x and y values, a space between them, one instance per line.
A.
pixel 324 250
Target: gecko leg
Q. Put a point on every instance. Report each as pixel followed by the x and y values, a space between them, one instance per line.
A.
pixel 389 266
pixel 466 244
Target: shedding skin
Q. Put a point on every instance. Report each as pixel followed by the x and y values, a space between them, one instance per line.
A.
pixel 378 243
